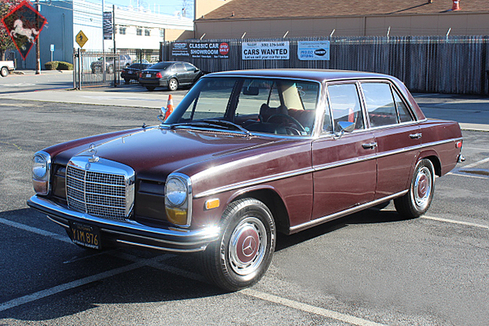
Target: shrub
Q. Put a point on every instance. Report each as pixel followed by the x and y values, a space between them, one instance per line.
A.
pixel 58 65
pixel 65 66
pixel 51 65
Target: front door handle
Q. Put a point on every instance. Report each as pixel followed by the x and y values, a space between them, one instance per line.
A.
pixel 369 145
pixel 416 135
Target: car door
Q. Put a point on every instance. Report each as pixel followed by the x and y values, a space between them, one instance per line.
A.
pixel 396 133
pixel 192 71
pixel 344 164
pixel 181 73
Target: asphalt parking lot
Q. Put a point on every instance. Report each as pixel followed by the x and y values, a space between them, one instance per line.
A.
pixel 370 268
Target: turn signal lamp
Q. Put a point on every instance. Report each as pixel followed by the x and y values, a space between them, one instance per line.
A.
pixel 212 203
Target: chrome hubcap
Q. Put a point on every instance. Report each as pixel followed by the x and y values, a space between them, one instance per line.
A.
pixel 422 187
pixel 247 246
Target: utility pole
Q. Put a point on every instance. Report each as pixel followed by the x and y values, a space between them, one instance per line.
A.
pixel 38 46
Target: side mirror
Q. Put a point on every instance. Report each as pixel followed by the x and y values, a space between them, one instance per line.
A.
pixel 344 126
pixel 162 115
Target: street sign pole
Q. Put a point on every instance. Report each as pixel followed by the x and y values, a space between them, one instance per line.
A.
pixel 113 38
pixel 103 41
pixel 38 45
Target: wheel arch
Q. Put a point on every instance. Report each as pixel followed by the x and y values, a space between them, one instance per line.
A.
pixel 435 160
pixel 273 201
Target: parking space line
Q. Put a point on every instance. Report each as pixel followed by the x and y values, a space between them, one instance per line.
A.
pixel 68 286
pixel 472 165
pixel 466 175
pixel 266 296
pixel 35 230
pixel 439 219
pixel 309 308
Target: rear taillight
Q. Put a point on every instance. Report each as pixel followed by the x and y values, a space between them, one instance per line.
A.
pixel 159 75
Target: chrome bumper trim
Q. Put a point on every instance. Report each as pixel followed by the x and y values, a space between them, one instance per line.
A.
pixel 135 233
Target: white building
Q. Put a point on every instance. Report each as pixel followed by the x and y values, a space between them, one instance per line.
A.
pixel 134 29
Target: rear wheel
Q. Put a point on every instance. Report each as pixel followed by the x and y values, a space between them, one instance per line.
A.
pixel 4 71
pixel 418 199
pixel 173 84
pixel 244 251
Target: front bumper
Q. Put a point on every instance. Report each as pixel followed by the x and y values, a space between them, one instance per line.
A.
pixel 128 232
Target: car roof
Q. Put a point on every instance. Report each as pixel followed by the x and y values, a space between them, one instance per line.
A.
pixel 309 74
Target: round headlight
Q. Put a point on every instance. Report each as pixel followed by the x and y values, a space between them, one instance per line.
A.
pixel 39 167
pixel 176 191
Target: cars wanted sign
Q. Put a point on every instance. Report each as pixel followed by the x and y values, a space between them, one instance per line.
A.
pixel 265 50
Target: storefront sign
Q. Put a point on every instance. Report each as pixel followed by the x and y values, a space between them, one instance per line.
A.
pixel 313 50
pixel 265 50
pixel 209 50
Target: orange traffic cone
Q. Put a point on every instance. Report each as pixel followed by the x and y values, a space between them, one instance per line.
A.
pixel 351 115
pixel 169 107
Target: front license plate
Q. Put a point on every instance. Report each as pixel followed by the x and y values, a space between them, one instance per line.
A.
pixel 148 75
pixel 85 235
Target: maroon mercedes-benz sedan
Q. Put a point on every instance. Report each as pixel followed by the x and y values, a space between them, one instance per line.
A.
pixel 245 155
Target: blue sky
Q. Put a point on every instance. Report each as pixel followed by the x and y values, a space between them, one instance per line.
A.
pixel 160 6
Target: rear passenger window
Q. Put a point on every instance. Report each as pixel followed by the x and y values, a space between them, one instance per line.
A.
pixel 380 104
pixel 345 106
pixel 404 115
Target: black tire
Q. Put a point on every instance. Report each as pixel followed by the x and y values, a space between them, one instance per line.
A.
pixel 127 80
pixel 420 195
pixel 4 71
pixel 245 249
pixel 173 84
pixel 150 88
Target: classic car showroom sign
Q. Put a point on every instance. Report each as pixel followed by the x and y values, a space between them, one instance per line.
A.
pixel 265 50
pixel 313 50
pixel 209 50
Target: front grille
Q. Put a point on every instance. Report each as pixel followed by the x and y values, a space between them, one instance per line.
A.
pixel 103 188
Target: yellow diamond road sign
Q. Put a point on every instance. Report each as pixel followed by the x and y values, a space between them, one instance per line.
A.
pixel 81 38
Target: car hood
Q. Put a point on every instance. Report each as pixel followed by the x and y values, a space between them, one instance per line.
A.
pixel 154 152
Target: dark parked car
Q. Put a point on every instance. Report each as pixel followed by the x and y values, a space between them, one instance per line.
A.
pixel 132 71
pixel 245 155
pixel 123 60
pixel 171 74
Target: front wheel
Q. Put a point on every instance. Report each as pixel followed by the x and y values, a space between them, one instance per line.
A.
pixel 4 71
pixel 244 251
pixel 173 84
pixel 418 199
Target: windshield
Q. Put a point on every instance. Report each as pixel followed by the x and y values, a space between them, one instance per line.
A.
pixel 258 105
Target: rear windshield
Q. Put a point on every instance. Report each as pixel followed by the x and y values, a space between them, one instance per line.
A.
pixel 162 65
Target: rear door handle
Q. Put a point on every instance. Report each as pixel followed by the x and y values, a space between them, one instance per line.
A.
pixel 416 135
pixel 369 145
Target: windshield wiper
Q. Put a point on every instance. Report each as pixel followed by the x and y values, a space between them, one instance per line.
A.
pixel 227 123
pixel 212 123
